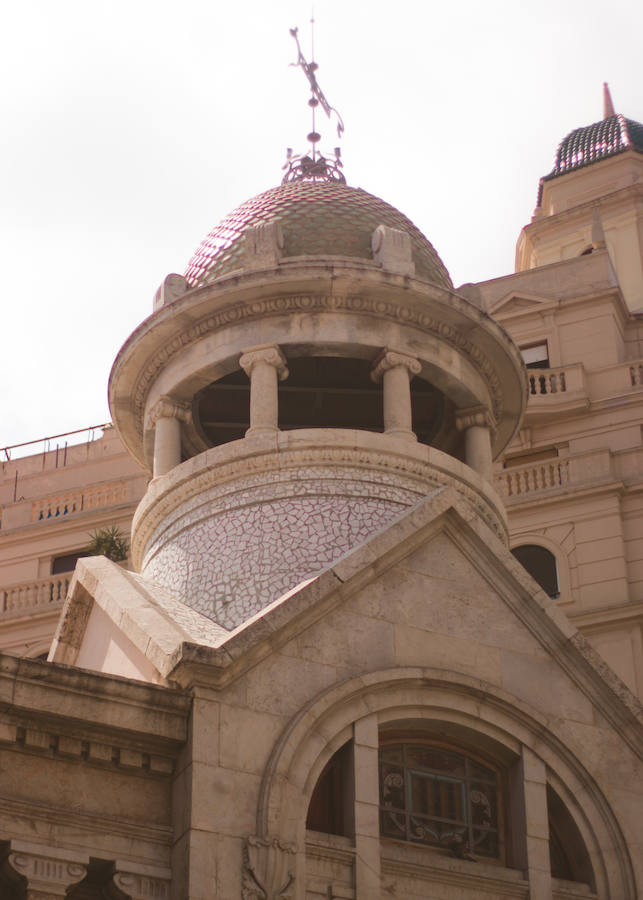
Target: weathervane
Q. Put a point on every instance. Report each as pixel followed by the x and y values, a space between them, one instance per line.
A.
pixel 313 166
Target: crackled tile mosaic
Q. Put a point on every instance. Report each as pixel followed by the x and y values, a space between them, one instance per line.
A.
pixel 235 551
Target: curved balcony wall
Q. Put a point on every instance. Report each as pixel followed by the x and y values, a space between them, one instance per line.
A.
pixel 233 529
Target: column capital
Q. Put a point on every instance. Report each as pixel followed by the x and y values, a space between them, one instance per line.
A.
pixel 167 407
pixel 475 416
pixel 266 353
pixel 49 871
pixel 390 359
pixel 139 884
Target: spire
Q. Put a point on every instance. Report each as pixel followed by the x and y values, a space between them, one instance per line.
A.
pixel 314 166
pixel 608 106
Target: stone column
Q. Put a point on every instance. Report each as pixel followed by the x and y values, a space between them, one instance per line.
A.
pixel 166 417
pixel 49 872
pixel 534 784
pixel 477 425
pixel 265 366
pixel 395 370
pixel 367 807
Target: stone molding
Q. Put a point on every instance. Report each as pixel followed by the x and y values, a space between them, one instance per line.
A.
pixel 92 753
pixel 268 869
pixel 266 353
pixel 49 871
pixel 167 407
pixel 392 250
pixel 390 359
pixel 479 417
pixel 149 517
pixel 367 305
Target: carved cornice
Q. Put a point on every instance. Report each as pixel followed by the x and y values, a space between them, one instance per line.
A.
pixel 389 310
pixel 266 353
pixel 478 416
pixel 268 869
pixel 168 408
pixel 390 359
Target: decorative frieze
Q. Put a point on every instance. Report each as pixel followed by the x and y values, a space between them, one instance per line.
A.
pixel 268 869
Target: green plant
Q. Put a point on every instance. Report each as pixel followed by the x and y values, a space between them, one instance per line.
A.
pixel 109 542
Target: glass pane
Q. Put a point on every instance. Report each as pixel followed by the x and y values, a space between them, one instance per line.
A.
pixel 485 843
pixel 481 773
pixel 435 760
pixel 432 795
pixel 393 824
pixel 392 785
pixel 391 754
pixel 482 798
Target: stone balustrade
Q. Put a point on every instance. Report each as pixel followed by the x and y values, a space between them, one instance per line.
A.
pixel 62 504
pixel 518 484
pixel 41 593
pixel 518 481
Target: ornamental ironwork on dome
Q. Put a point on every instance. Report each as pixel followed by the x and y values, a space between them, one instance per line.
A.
pixel 603 139
pixel 317 218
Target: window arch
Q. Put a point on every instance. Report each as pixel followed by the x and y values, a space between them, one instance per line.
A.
pixel 440 796
pixel 541 565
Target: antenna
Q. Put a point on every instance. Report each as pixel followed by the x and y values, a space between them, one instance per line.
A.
pixel 313 167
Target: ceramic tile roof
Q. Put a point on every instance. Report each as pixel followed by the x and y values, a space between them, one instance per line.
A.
pixel 317 219
pixel 587 145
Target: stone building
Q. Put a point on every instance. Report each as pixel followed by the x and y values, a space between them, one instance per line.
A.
pixel 325 674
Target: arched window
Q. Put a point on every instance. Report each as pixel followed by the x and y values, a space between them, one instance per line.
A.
pixel 331 805
pixel 541 565
pixel 434 795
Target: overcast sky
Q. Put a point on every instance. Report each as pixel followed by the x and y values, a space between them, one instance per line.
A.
pixel 130 128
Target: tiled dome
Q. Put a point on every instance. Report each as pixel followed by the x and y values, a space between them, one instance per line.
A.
pixel 317 219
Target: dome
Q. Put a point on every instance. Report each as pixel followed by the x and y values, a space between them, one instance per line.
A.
pixel 317 218
pixel 600 140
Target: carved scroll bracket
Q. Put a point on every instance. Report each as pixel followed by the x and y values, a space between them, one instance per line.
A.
pixel 268 869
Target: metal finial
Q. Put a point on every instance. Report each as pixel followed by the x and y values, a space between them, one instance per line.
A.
pixel 314 166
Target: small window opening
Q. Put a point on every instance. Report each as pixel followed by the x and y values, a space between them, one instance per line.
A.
pixel 536 356
pixel 331 805
pixel 432 795
pixel 568 855
pixel 541 565
pixel 67 563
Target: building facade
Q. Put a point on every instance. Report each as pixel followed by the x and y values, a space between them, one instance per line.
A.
pixel 324 673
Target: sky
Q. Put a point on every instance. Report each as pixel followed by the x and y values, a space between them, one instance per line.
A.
pixel 129 129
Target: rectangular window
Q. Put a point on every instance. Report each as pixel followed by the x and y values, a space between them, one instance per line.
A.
pixel 536 356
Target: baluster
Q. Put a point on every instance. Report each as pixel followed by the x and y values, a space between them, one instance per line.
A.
pixel 553 383
pixel 563 382
pixel 542 383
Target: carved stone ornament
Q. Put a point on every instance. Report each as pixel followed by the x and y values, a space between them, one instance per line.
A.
pixel 268 869
pixel 478 416
pixel 392 250
pixel 267 353
pixel 141 887
pixel 167 407
pixel 47 876
pixel 263 245
pixel 389 359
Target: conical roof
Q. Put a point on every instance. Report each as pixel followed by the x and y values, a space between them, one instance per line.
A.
pixel 317 218
pixel 603 139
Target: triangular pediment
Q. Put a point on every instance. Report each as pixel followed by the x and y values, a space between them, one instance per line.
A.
pixel 437 579
pixel 520 303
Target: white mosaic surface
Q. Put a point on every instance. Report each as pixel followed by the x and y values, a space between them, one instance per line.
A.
pixel 233 550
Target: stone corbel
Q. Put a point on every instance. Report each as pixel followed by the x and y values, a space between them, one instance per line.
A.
pixel 392 250
pixel 268 869
pixel 263 246
pixel 48 871
pixel 167 407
